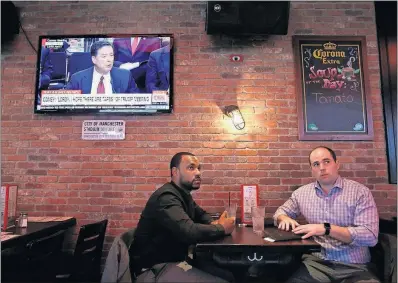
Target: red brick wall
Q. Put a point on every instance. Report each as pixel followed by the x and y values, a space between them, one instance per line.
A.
pixel 60 174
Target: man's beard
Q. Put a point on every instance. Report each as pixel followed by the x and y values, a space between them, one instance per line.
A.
pixel 189 185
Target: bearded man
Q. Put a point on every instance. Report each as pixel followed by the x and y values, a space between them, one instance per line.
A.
pixel 172 221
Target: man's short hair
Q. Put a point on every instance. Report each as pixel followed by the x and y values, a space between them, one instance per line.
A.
pixel 328 149
pixel 176 160
pixel 97 45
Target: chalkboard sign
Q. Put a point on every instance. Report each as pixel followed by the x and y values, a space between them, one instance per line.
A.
pixel 332 86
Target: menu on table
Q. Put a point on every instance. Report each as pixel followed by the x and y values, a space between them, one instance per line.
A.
pixel 9 195
pixel 249 195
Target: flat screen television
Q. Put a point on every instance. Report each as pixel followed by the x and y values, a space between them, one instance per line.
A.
pixel 114 74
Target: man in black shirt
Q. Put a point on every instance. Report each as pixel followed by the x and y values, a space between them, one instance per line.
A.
pixel 171 221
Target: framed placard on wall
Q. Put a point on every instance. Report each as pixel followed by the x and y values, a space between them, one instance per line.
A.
pixel 332 88
pixel 249 197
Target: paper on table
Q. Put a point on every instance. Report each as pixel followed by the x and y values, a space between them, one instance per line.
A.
pixel 47 218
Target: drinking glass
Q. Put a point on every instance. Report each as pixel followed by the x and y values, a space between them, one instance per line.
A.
pixel 258 215
pixel 231 210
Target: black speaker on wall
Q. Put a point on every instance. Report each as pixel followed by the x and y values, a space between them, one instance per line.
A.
pixel 9 22
pixel 247 17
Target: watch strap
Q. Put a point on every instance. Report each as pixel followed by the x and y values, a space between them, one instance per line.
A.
pixel 327 228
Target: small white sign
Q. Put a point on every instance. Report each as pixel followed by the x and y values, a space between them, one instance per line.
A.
pixel 104 130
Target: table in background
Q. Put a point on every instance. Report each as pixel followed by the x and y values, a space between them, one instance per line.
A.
pixel 35 230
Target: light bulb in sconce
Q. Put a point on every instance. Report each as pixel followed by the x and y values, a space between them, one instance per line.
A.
pixel 234 113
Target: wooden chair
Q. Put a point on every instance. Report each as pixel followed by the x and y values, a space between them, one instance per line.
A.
pixel 84 264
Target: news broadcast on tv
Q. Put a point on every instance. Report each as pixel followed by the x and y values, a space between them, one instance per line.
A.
pixel 104 74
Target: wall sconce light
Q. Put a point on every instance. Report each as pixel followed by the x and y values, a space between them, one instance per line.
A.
pixel 234 113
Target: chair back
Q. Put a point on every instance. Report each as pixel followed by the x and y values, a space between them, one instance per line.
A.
pixel 79 61
pixel 88 251
pixel 42 256
pixel 128 237
pixel 117 265
pixel 58 60
pixel 45 247
pixel 58 76
pixel 384 258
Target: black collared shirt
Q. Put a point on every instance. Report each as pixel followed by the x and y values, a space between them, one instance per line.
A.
pixel 170 222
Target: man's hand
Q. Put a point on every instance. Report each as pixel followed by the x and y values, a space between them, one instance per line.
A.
pixel 223 216
pixel 285 222
pixel 227 222
pixel 310 230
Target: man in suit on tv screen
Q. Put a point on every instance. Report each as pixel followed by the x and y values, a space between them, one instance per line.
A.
pixel 102 78
pixel 46 68
pixel 158 69
pixel 133 53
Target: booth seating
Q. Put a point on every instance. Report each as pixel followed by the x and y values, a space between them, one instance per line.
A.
pixel 384 254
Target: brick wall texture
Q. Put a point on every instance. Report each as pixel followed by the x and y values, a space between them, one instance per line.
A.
pixel 58 173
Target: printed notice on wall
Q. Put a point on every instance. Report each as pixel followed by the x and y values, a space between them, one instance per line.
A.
pixel 103 130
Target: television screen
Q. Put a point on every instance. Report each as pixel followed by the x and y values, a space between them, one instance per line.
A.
pixel 105 74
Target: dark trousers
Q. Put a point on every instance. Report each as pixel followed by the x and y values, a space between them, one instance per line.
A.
pixel 211 268
pixel 317 270
pixel 184 272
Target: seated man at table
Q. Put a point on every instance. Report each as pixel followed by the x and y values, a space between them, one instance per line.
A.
pixel 342 217
pixel 172 221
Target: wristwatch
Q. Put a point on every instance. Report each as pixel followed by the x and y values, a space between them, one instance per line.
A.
pixel 327 228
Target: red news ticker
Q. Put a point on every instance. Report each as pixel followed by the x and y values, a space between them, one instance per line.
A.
pixel 61 91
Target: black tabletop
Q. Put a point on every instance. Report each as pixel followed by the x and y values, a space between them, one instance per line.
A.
pixel 243 238
pixel 35 230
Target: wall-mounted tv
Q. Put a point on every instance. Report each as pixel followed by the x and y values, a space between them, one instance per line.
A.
pixel 115 74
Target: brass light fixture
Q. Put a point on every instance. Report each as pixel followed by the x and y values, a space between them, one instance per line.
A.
pixel 234 113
